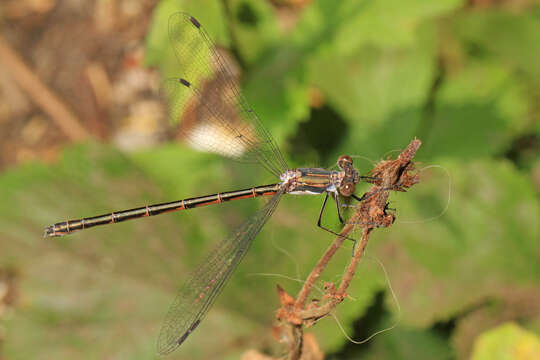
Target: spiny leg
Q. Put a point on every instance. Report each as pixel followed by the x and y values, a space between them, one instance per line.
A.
pixel 359 199
pixel 321 213
pixel 319 221
pixel 336 199
pixel 366 195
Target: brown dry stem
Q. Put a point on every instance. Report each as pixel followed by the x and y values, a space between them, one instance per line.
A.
pixel 41 94
pixel 372 213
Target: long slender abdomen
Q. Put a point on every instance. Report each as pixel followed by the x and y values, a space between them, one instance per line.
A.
pixel 67 227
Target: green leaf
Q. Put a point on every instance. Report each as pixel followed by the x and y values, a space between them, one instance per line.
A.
pixel 507 342
pixel 380 92
pixel 480 105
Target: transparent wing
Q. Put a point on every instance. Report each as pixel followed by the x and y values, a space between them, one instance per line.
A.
pixel 214 114
pixel 197 295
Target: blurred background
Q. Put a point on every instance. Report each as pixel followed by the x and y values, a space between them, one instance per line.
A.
pixel 84 130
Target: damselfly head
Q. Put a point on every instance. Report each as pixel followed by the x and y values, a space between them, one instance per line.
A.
pixel 344 161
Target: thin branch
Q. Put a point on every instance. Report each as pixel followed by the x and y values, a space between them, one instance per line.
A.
pixel 41 94
pixel 321 265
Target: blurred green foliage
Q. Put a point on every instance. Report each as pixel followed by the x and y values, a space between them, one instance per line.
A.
pixel 464 80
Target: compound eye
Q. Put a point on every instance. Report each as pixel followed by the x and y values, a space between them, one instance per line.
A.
pixel 347 189
pixel 344 161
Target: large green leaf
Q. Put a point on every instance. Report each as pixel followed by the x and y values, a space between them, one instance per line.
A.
pixel 510 37
pixel 102 293
pixel 380 92
pixel 488 231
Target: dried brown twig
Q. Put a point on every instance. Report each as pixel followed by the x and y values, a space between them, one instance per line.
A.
pixel 41 94
pixel 373 212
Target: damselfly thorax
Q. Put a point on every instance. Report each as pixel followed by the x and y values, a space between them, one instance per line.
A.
pixel 316 181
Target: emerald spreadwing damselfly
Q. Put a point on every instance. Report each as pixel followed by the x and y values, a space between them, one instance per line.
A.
pixel 207 94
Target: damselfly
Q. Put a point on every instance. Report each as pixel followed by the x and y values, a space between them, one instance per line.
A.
pixel 222 122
